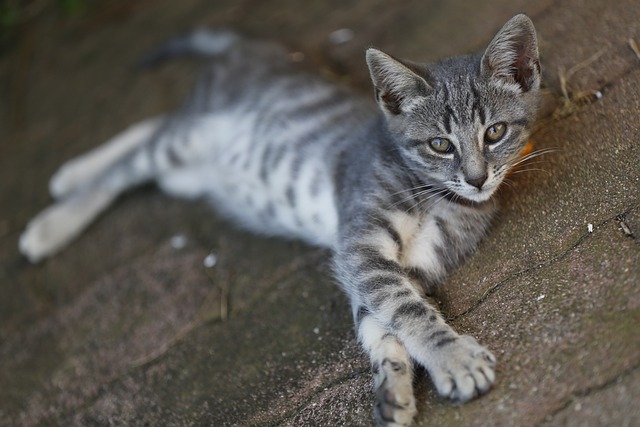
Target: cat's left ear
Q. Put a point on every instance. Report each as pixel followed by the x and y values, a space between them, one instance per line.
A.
pixel 512 55
pixel 396 84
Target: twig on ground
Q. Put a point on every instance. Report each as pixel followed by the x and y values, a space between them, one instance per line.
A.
pixel 571 99
pixel 634 47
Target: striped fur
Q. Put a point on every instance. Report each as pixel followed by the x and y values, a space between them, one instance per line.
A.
pixel 401 196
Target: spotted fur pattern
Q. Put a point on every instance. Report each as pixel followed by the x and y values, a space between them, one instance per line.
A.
pixel 401 195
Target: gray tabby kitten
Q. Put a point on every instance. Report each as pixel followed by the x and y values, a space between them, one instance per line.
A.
pixel 401 197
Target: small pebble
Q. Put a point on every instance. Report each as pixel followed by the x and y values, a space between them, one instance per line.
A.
pixel 541 297
pixel 210 260
pixel 316 330
pixel 179 241
pixel 296 56
pixel 598 94
pixel 341 36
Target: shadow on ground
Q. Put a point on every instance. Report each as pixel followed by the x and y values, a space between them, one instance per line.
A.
pixel 122 328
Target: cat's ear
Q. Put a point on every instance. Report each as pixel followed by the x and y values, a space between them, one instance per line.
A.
pixel 512 55
pixel 394 82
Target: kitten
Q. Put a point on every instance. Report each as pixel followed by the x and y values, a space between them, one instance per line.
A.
pixel 401 195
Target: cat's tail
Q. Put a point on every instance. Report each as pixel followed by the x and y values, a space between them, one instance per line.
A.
pixel 201 42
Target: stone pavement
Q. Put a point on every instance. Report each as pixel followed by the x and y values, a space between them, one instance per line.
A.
pixel 123 328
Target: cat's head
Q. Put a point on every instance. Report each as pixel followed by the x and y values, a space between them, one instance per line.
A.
pixel 461 123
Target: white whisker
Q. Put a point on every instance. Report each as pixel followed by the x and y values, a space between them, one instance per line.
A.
pixel 508 183
pixel 428 190
pixel 419 187
pixel 530 170
pixel 535 154
pixel 424 200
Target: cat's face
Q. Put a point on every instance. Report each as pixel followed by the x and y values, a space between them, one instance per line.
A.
pixel 461 123
pixel 465 135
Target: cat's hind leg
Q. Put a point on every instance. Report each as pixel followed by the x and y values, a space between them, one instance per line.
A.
pixel 84 169
pixel 56 226
pixel 91 185
pixel 392 373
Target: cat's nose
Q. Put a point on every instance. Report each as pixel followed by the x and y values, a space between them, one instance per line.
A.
pixel 477 182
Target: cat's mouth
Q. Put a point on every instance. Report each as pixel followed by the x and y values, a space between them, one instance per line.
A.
pixel 476 195
pixel 476 191
pixel 467 198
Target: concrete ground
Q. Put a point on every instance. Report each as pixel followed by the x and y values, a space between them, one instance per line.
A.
pixel 123 328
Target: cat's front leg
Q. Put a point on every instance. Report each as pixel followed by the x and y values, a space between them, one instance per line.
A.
pixel 370 270
pixel 392 369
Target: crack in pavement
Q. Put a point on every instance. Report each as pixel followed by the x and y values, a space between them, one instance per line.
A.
pixel 317 392
pixel 153 357
pixel 587 391
pixel 555 258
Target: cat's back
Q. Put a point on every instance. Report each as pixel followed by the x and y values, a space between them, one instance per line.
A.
pixel 272 134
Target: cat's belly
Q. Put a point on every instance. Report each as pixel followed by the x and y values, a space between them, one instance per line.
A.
pixel 269 188
pixel 280 206
pixel 271 208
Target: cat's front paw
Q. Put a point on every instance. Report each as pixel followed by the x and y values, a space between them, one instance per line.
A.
pixel 395 404
pixel 462 369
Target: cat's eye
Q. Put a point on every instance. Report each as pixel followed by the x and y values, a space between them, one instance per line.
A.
pixel 441 145
pixel 495 133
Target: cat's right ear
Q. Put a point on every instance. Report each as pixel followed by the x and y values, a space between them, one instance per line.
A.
pixel 394 82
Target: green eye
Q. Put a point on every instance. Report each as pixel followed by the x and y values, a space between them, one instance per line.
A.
pixel 441 145
pixel 495 133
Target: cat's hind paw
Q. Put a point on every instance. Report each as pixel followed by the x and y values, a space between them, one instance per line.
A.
pixel 46 233
pixel 463 369
pixel 52 229
pixel 68 178
pixel 76 174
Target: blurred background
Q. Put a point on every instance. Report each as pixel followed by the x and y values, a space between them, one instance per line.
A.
pixel 130 325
